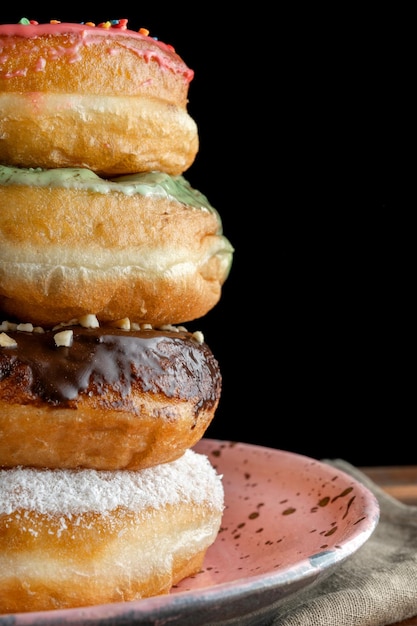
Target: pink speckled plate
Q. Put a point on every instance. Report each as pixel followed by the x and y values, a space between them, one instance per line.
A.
pixel 289 521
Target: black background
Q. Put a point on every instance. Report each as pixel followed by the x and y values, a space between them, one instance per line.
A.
pixel 307 152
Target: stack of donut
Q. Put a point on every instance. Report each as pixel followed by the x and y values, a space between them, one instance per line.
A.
pixel 106 251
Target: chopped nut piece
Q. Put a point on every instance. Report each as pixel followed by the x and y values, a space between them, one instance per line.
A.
pixel 8 325
pixel 89 321
pixel 124 323
pixel 28 328
pixel 7 342
pixel 170 327
pixel 64 338
pixel 73 322
pixel 198 336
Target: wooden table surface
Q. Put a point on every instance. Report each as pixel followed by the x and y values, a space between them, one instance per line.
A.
pixel 401 483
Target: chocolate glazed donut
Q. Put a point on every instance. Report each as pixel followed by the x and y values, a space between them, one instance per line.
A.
pixel 103 398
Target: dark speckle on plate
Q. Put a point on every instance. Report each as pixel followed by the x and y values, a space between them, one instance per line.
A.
pixel 289 520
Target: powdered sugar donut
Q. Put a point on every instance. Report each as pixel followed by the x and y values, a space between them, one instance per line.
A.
pixel 76 538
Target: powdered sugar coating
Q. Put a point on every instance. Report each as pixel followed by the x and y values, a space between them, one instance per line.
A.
pixel 191 478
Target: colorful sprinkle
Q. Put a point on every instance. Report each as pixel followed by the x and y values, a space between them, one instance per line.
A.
pixel 120 24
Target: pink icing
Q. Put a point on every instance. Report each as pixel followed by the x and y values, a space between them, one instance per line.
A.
pixel 83 35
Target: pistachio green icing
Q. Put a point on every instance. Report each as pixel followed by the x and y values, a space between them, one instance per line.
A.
pixel 156 184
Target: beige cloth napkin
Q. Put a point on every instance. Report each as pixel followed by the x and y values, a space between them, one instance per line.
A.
pixel 375 586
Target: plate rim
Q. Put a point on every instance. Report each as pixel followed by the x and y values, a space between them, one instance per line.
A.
pixel 236 590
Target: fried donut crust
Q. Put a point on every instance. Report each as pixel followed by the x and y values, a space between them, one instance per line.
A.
pixel 148 247
pixel 107 99
pixel 111 399
pixel 72 538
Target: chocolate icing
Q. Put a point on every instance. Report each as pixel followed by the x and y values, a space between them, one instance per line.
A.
pixel 99 360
